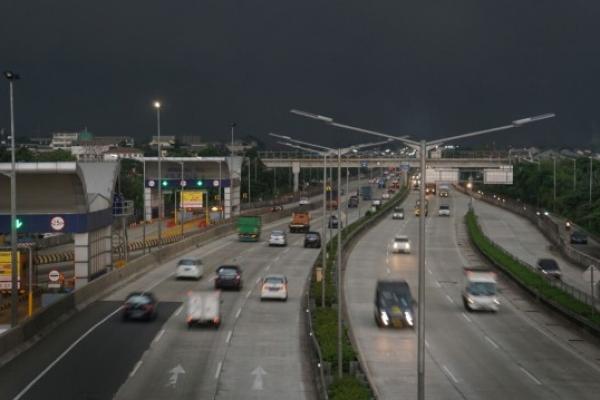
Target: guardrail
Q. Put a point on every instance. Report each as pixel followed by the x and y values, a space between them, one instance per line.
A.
pixel 350 235
pixel 557 299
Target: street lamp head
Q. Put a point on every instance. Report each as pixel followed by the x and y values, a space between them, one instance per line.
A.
pixel 157 104
pixel 523 121
pixel 280 136
pixel 310 115
pixel 11 76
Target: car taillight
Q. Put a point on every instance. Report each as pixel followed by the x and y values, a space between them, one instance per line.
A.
pixel 216 320
pixel 237 277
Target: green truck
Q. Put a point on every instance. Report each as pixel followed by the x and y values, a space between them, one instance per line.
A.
pixel 249 228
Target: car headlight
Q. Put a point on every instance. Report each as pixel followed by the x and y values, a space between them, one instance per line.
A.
pixel 407 246
pixel 408 317
pixel 496 302
pixel 396 245
pixel 384 318
pixel 470 300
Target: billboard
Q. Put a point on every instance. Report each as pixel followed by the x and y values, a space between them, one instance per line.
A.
pixel 6 270
pixel 192 199
pixel 447 175
pixel 498 176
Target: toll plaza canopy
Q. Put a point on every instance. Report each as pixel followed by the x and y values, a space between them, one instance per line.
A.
pixel 66 197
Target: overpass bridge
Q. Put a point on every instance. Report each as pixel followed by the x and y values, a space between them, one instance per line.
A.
pixel 487 167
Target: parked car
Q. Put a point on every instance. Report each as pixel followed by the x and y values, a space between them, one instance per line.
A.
pixel 398 213
pixel 578 237
pixel 385 196
pixel 401 244
pixel 393 304
pixel 229 277
pixel 376 202
pixel 141 306
pixel 278 238
pixel 274 287
pixel 304 201
pixel 549 267
pixel 312 239
pixel 353 201
pixel 444 210
pixel 334 223
pixel 189 268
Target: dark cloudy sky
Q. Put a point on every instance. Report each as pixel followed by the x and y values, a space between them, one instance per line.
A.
pixel 427 68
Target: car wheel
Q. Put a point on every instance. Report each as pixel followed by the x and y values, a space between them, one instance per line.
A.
pixel 377 321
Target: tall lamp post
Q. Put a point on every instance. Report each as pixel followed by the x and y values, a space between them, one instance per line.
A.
pixel 14 296
pixel 233 125
pixel 325 151
pixel 157 106
pixel 422 146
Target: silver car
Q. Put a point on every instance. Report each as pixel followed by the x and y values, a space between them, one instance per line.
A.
pixel 278 238
pixel 401 244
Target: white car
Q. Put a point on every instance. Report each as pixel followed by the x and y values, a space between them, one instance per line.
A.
pixel 278 238
pixel 304 201
pixel 385 196
pixel 376 202
pixel 401 244
pixel 274 287
pixel 189 268
pixel 444 210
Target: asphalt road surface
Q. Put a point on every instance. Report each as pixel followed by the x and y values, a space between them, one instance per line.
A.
pixel 256 353
pixel 521 352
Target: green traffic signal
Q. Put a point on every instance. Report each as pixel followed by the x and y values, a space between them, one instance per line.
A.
pixel 18 223
pixel 199 183
pixel 165 183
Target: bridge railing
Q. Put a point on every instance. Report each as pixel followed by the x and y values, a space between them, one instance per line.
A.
pixel 474 155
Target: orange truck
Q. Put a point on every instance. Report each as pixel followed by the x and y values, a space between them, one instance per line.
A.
pixel 300 222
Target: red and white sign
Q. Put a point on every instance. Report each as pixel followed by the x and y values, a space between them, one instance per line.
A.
pixel 54 275
pixel 57 223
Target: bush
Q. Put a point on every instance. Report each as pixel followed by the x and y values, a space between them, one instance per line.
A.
pixel 348 388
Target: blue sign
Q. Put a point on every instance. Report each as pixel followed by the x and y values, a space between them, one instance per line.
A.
pixel 364 164
pixel 404 167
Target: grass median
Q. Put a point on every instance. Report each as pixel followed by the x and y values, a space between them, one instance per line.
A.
pixel 523 274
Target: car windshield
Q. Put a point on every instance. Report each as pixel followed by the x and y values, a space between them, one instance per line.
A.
pixel 274 280
pixel 401 239
pixel 139 299
pixel 548 265
pixel 277 233
pixel 444 207
pixel 312 235
pixel 228 271
pixel 481 288
pixel 391 298
pixel 189 262
pixel 399 209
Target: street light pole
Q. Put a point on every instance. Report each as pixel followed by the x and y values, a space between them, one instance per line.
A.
pixel 160 199
pixel 233 125
pixel 181 213
pixel 339 264
pixel 554 189
pixel 422 146
pixel 591 174
pixel 14 297
pixel 574 173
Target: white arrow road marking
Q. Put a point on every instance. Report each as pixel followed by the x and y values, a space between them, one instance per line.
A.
pixel 258 378
pixel 175 375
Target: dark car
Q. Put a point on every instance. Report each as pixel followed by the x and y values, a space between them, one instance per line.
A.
pixel 549 267
pixel 333 222
pixel 312 239
pixel 578 238
pixel 394 304
pixel 229 277
pixel 353 201
pixel 140 305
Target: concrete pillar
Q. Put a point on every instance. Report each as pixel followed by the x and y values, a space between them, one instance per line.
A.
pixel 93 254
pixel 148 204
pixel 296 172
pixel 227 202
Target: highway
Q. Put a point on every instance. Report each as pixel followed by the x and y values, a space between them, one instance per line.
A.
pixel 257 353
pixel 523 240
pixel 521 352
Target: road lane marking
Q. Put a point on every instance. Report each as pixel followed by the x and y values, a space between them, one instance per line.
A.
pixel 430 272
pixel 64 353
pixel 450 299
pixel 268 267
pixel 466 317
pixel 137 366
pixel 237 314
pixel 228 336
pixel 179 310
pixel 492 342
pixel 450 374
pixel 250 292
pixel 438 284
pixel 218 370
pixel 257 280
pixel 533 378
pixel 426 344
pixel 157 338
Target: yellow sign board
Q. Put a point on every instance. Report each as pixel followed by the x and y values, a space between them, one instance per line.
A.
pixel 192 199
pixel 6 270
